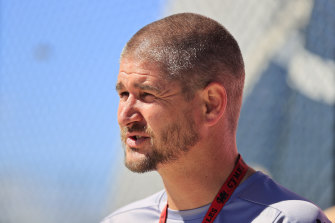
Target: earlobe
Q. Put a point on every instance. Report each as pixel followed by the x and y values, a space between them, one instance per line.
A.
pixel 215 99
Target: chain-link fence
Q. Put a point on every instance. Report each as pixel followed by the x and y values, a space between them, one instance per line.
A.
pixel 58 128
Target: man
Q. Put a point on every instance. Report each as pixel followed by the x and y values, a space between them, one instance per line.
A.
pixel 180 85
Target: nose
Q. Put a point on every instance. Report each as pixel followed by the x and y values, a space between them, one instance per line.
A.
pixel 128 112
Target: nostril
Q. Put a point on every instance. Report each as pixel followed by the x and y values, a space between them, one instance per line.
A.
pixel 129 120
pixel 128 115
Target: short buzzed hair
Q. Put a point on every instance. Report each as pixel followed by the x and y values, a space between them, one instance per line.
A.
pixel 194 50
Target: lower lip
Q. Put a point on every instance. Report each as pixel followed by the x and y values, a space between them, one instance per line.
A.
pixel 136 142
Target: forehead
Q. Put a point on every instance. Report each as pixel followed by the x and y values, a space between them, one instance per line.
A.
pixel 140 75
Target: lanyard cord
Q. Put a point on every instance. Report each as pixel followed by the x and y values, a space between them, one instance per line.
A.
pixel 227 189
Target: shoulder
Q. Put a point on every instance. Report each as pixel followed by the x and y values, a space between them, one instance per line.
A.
pixel 277 203
pixel 144 210
pixel 262 189
pixel 299 211
pixel 291 211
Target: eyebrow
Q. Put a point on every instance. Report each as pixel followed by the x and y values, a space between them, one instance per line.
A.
pixel 119 86
pixel 145 87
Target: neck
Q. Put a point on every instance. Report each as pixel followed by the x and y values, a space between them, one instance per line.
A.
pixel 195 179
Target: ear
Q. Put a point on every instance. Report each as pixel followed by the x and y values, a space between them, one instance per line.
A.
pixel 215 102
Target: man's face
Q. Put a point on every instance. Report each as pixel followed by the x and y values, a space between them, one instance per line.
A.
pixel 157 124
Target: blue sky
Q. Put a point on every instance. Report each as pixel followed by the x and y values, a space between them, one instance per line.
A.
pixel 58 67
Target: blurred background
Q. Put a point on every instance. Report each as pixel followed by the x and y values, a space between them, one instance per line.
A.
pixel 60 153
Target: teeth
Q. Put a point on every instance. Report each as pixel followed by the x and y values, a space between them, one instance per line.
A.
pixel 138 137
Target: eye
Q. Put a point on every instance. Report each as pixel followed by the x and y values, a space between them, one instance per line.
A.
pixel 147 97
pixel 124 94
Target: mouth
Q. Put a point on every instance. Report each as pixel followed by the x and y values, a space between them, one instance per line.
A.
pixel 135 140
pixel 137 137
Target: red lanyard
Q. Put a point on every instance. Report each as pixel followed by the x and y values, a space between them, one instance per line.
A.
pixel 223 195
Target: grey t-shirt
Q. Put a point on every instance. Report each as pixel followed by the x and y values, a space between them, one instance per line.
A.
pixel 258 199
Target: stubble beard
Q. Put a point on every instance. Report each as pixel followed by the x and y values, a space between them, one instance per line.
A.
pixel 174 140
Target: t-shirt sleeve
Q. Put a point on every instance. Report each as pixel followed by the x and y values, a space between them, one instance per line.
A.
pixel 292 211
pixel 307 218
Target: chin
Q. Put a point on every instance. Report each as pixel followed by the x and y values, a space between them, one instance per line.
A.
pixel 138 162
pixel 133 156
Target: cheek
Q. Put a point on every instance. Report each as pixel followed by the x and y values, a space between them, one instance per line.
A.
pixel 157 118
pixel 153 121
pixel 162 115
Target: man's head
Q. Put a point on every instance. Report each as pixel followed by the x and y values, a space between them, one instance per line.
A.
pixel 192 52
